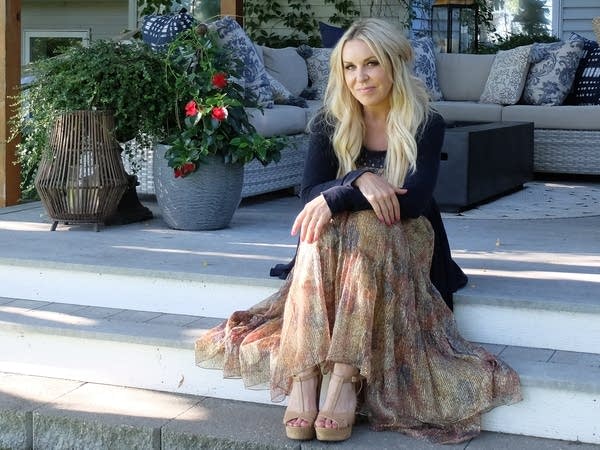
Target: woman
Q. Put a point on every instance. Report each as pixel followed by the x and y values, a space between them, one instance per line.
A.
pixel 359 302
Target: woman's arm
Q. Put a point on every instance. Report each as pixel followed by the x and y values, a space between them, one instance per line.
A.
pixel 340 193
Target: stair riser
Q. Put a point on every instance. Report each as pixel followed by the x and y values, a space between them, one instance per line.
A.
pixel 173 370
pixel 549 413
pixel 524 327
pixel 219 297
pixel 136 292
pixel 117 363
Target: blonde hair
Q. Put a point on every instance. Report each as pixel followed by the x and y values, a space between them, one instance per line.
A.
pixel 409 101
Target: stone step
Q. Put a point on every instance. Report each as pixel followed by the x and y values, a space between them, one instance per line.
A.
pixel 151 350
pixel 490 309
pixel 47 413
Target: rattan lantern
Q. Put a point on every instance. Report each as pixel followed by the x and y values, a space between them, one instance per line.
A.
pixel 81 178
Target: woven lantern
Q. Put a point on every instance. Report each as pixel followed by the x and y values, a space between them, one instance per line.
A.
pixel 81 178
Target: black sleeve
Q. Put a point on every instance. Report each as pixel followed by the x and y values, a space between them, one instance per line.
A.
pixel 321 167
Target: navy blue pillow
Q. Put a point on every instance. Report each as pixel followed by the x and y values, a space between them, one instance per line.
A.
pixel 159 30
pixel 330 34
pixel 586 88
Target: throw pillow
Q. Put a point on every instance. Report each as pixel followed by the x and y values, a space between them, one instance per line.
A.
pixel 282 96
pixel 256 80
pixel 586 89
pixel 507 76
pixel 317 64
pixel 330 34
pixel 581 89
pixel 424 65
pixel 159 30
pixel 287 66
pixel 552 72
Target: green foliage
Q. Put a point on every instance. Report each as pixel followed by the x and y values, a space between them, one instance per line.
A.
pixel 154 6
pixel 346 12
pixel 127 79
pixel 296 15
pixel 209 106
pixel 513 41
pixel 533 17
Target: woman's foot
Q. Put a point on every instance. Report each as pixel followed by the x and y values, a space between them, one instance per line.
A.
pixel 303 405
pixel 334 422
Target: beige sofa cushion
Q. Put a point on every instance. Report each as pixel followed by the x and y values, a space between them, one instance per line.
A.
pixel 555 117
pixel 468 111
pixel 461 76
pixel 278 120
pixel 287 66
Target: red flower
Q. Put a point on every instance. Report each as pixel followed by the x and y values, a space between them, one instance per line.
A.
pixel 219 113
pixel 184 169
pixel 188 167
pixel 219 80
pixel 191 108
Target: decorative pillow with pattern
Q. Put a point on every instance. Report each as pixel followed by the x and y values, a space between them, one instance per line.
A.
pixel 158 30
pixel 282 95
pixel 256 80
pixel 317 63
pixel 507 76
pixel 586 87
pixel 424 65
pixel 552 71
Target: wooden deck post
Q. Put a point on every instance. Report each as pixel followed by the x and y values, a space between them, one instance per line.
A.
pixel 234 8
pixel 10 79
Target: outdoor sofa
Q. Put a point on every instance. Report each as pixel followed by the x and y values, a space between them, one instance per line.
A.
pixel 526 84
pixel 522 85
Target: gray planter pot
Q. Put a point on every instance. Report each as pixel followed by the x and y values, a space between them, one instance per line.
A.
pixel 203 200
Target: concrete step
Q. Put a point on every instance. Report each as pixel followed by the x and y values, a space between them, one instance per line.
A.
pixel 152 350
pixel 494 309
pixel 46 413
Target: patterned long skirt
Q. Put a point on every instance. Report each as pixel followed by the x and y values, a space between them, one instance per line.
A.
pixel 362 295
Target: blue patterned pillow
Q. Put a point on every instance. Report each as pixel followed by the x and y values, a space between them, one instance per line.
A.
pixel 586 87
pixel 317 64
pixel 232 36
pixel 424 65
pixel 552 71
pixel 158 30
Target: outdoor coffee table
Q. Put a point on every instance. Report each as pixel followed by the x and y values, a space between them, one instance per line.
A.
pixel 482 161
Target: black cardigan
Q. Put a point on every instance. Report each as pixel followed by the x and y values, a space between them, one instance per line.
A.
pixel 320 177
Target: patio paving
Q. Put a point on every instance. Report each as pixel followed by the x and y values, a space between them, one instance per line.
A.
pixel 552 258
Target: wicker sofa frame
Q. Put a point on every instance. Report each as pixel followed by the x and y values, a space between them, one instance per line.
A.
pixel 258 179
pixel 566 151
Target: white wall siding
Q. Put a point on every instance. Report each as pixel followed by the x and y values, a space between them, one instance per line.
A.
pixel 576 16
pixel 105 19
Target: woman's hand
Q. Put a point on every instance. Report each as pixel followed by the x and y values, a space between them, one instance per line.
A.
pixel 381 195
pixel 312 220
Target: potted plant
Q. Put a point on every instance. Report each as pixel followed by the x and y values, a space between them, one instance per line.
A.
pixel 126 78
pixel 198 175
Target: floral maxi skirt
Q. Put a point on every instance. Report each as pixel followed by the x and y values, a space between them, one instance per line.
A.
pixel 362 295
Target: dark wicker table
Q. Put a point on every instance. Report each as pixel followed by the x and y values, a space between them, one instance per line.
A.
pixel 482 161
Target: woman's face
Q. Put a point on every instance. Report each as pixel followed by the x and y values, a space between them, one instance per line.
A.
pixel 365 76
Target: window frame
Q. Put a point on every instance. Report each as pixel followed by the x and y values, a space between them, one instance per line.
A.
pixel 84 35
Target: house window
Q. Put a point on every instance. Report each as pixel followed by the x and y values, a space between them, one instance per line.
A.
pixel 40 44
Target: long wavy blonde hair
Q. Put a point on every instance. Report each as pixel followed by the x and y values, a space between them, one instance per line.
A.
pixel 409 101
